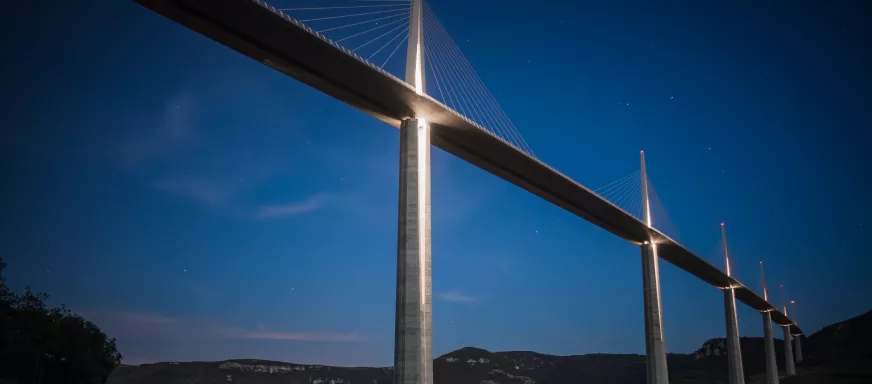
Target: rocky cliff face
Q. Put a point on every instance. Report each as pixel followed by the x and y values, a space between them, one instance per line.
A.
pixel 711 348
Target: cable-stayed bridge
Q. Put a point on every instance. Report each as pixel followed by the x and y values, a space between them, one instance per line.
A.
pixel 394 60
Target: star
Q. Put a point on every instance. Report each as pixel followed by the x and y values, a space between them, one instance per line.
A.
pixel 710 148
pixel 537 231
pixel 628 103
pixel 184 270
pixel 671 97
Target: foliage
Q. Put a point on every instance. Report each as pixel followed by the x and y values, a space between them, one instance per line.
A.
pixel 50 345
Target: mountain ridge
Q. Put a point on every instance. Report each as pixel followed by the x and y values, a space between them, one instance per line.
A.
pixel 847 340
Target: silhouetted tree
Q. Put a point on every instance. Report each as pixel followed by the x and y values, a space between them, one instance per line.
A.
pixel 44 345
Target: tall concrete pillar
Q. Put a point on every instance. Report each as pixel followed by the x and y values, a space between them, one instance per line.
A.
pixel 769 345
pixel 797 340
pixel 413 337
pixel 735 372
pixel 768 340
pixel 798 337
pixel 413 333
pixel 789 368
pixel 655 346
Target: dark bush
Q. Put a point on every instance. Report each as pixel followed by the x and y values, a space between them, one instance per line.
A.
pixel 44 345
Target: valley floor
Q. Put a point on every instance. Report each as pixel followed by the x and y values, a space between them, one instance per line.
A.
pixel 855 372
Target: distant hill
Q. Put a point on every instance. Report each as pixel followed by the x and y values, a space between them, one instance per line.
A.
pixel 246 371
pixel 845 340
pixel 463 366
pixel 712 358
pixel 476 366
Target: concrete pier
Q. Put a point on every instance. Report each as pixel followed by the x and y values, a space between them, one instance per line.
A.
pixel 655 347
pixel 735 372
pixel 413 333
pixel 797 340
pixel 413 337
pixel 769 345
pixel 789 368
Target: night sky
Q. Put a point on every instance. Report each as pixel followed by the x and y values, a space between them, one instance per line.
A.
pixel 198 205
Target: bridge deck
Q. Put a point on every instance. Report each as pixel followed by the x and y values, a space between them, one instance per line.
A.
pixel 266 35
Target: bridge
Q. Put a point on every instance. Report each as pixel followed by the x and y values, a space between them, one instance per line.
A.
pixel 335 48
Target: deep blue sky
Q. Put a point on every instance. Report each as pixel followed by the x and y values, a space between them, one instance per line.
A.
pixel 141 161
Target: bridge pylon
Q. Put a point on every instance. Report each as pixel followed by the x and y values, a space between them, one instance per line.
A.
pixel 789 366
pixel 797 339
pixel 735 371
pixel 655 345
pixel 413 333
pixel 768 340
